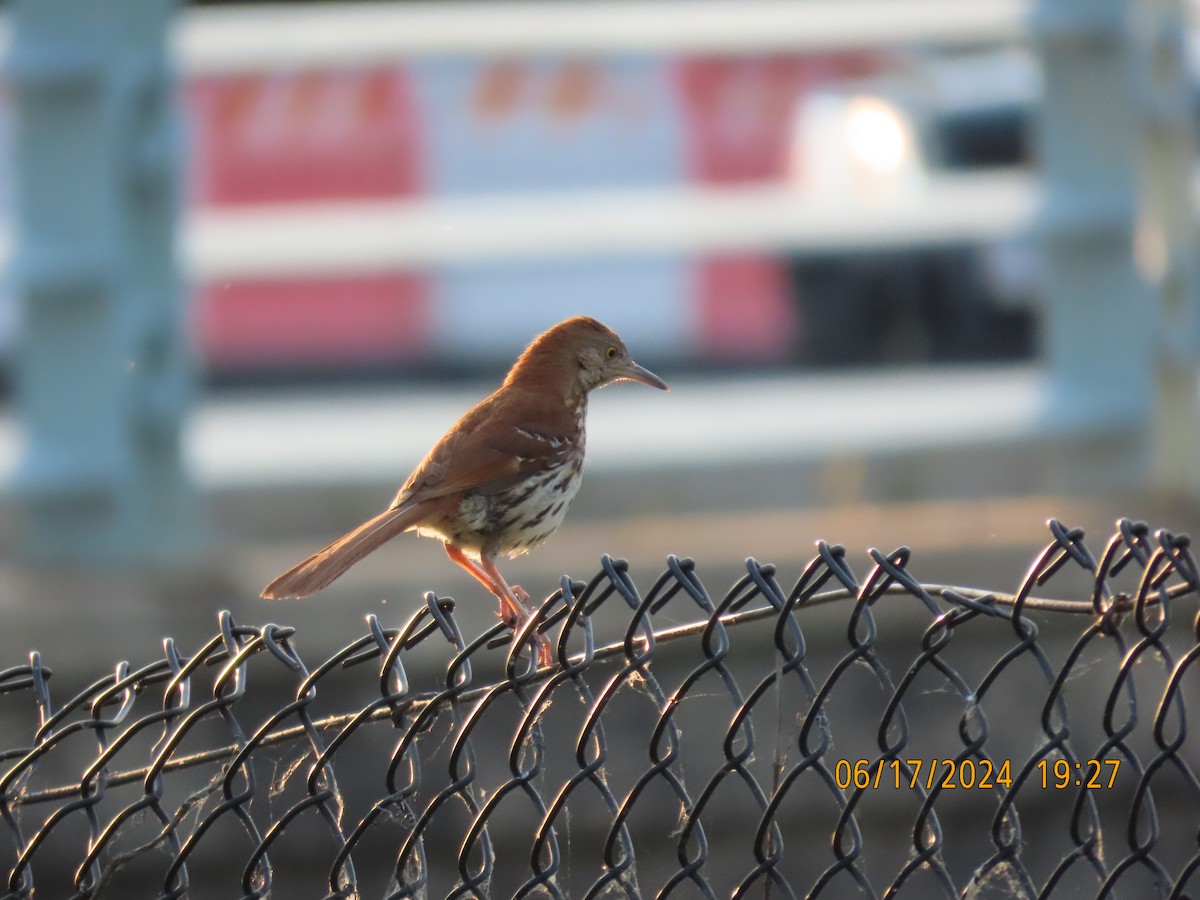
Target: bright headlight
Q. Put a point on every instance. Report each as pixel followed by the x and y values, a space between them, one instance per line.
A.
pixel 876 134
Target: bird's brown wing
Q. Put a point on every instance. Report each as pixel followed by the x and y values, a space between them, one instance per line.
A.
pixel 484 456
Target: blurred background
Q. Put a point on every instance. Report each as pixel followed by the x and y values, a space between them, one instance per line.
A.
pixel 918 271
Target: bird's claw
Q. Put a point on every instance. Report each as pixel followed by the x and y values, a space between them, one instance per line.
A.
pixel 545 657
pixel 513 620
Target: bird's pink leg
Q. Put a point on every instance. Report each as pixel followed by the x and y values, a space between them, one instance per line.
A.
pixel 488 564
pixel 512 612
pixel 512 609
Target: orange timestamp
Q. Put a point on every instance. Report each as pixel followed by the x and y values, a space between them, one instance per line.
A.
pixel 911 773
pixel 985 774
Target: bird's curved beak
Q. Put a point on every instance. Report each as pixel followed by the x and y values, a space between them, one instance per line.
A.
pixel 631 371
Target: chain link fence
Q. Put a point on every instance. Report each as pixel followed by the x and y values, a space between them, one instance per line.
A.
pixel 827 735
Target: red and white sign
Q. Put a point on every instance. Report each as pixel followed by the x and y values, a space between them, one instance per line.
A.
pixel 460 127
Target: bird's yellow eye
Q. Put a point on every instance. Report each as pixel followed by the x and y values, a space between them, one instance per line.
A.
pixel 611 352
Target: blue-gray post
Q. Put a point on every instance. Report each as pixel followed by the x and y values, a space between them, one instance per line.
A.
pixel 102 377
pixel 1099 318
pixel 1167 239
pixel 1121 319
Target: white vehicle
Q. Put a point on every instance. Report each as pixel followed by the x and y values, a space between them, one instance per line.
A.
pixel 882 141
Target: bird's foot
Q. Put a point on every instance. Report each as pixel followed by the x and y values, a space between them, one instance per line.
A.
pixel 513 620
pixel 545 656
pixel 513 610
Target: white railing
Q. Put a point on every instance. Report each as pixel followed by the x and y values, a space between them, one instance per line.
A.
pixel 334 237
pixel 340 238
pixel 1092 319
pixel 329 238
pixel 259 39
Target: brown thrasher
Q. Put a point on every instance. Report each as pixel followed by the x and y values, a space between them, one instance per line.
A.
pixel 501 479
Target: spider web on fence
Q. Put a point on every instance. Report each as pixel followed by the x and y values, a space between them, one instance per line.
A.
pixel 836 737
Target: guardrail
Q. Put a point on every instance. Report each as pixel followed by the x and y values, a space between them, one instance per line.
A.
pixel 1116 95
pixel 221 41
pixel 336 238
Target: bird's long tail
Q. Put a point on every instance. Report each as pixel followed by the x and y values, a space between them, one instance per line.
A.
pixel 327 564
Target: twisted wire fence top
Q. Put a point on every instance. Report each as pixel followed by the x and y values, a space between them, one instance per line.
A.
pixel 827 735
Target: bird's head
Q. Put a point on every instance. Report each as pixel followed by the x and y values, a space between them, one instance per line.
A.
pixel 587 353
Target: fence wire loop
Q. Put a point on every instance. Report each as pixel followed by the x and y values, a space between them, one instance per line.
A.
pixel 1031 745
